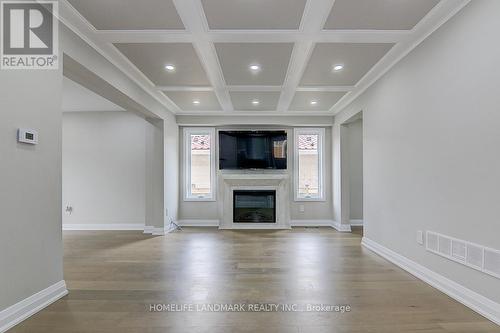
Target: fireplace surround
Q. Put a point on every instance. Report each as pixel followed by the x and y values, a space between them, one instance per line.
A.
pixel 231 182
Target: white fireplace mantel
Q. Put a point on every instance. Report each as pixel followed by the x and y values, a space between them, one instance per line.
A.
pixel 229 182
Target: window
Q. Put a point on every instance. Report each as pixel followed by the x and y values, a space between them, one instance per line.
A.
pixel 199 160
pixel 308 157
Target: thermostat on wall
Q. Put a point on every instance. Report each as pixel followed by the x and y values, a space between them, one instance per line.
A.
pixel 25 135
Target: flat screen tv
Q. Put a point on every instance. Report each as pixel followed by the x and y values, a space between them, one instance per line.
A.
pixel 252 150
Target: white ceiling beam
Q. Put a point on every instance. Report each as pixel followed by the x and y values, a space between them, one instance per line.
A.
pixel 361 36
pixel 327 88
pixel 313 21
pixel 193 17
pixel 255 113
pixel 254 36
pixel 184 88
pixel 254 88
pixel 144 36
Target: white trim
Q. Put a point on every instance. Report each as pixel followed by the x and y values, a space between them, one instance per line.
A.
pixel 255 36
pixel 341 227
pixel 148 229
pixel 482 305
pixel 122 226
pixel 254 88
pixel 311 223
pixel 187 132
pixel 356 222
pixel 154 231
pixel 326 88
pixel 320 132
pixel 24 309
pixel 198 223
pixel 183 88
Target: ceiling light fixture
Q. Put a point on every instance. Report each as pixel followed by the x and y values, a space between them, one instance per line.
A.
pixel 170 68
pixel 254 68
pixel 337 68
pixel 196 102
pixel 255 102
pixel 313 102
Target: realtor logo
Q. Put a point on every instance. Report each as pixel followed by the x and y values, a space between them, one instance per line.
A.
pixel 29 35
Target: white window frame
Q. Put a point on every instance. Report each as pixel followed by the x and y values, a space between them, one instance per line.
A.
pixel 188 131
pixel 321 156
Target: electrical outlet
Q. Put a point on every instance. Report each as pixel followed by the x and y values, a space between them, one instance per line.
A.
pixel 302 208
pixel 420 237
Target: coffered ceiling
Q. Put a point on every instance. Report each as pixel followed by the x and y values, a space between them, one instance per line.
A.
pixel 258 56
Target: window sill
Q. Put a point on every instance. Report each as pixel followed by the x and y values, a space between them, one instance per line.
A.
pixel 309 199
pixel 200 199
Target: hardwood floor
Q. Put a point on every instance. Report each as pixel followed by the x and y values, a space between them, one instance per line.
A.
pixel 113 277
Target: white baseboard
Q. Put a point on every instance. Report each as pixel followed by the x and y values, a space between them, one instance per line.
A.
pixel 198 223
pixel 24 309
pixel 123 226
pixel 482 305
pixel 341 227
pixel 148 229
pixel 311 223
pixel 155 231
pixel 356 223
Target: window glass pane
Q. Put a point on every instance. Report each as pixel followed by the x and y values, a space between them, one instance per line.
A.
pixel 200 165
pixel 308 158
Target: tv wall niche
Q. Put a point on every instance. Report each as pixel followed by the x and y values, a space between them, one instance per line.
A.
pixel 252 150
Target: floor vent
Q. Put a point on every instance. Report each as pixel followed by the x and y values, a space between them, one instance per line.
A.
pixel 481 258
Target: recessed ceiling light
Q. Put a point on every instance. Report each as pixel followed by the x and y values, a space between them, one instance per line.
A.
pixel 254 68
pixel 170 68
pixel 196 102
pixel 338 67
pixel 313 102
pixel 255 102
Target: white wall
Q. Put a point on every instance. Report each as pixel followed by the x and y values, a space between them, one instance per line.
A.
pixel 431 146
pixel 104 168
pixel 355 168
pixel 30 184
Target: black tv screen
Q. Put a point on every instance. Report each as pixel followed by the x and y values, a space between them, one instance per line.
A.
pixel 252 150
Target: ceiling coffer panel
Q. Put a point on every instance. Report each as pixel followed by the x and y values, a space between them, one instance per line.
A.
pixel 254 15
pixel 129 14
pixel 355 60
pixel 378 14
pixel 271 61
pixel 152 58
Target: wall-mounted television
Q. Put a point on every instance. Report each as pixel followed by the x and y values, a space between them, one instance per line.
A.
pixel 252 150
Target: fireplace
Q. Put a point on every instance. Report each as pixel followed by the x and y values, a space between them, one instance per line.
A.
pixel 254 206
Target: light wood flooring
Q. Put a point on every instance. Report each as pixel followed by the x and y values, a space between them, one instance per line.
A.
pixel 113 277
